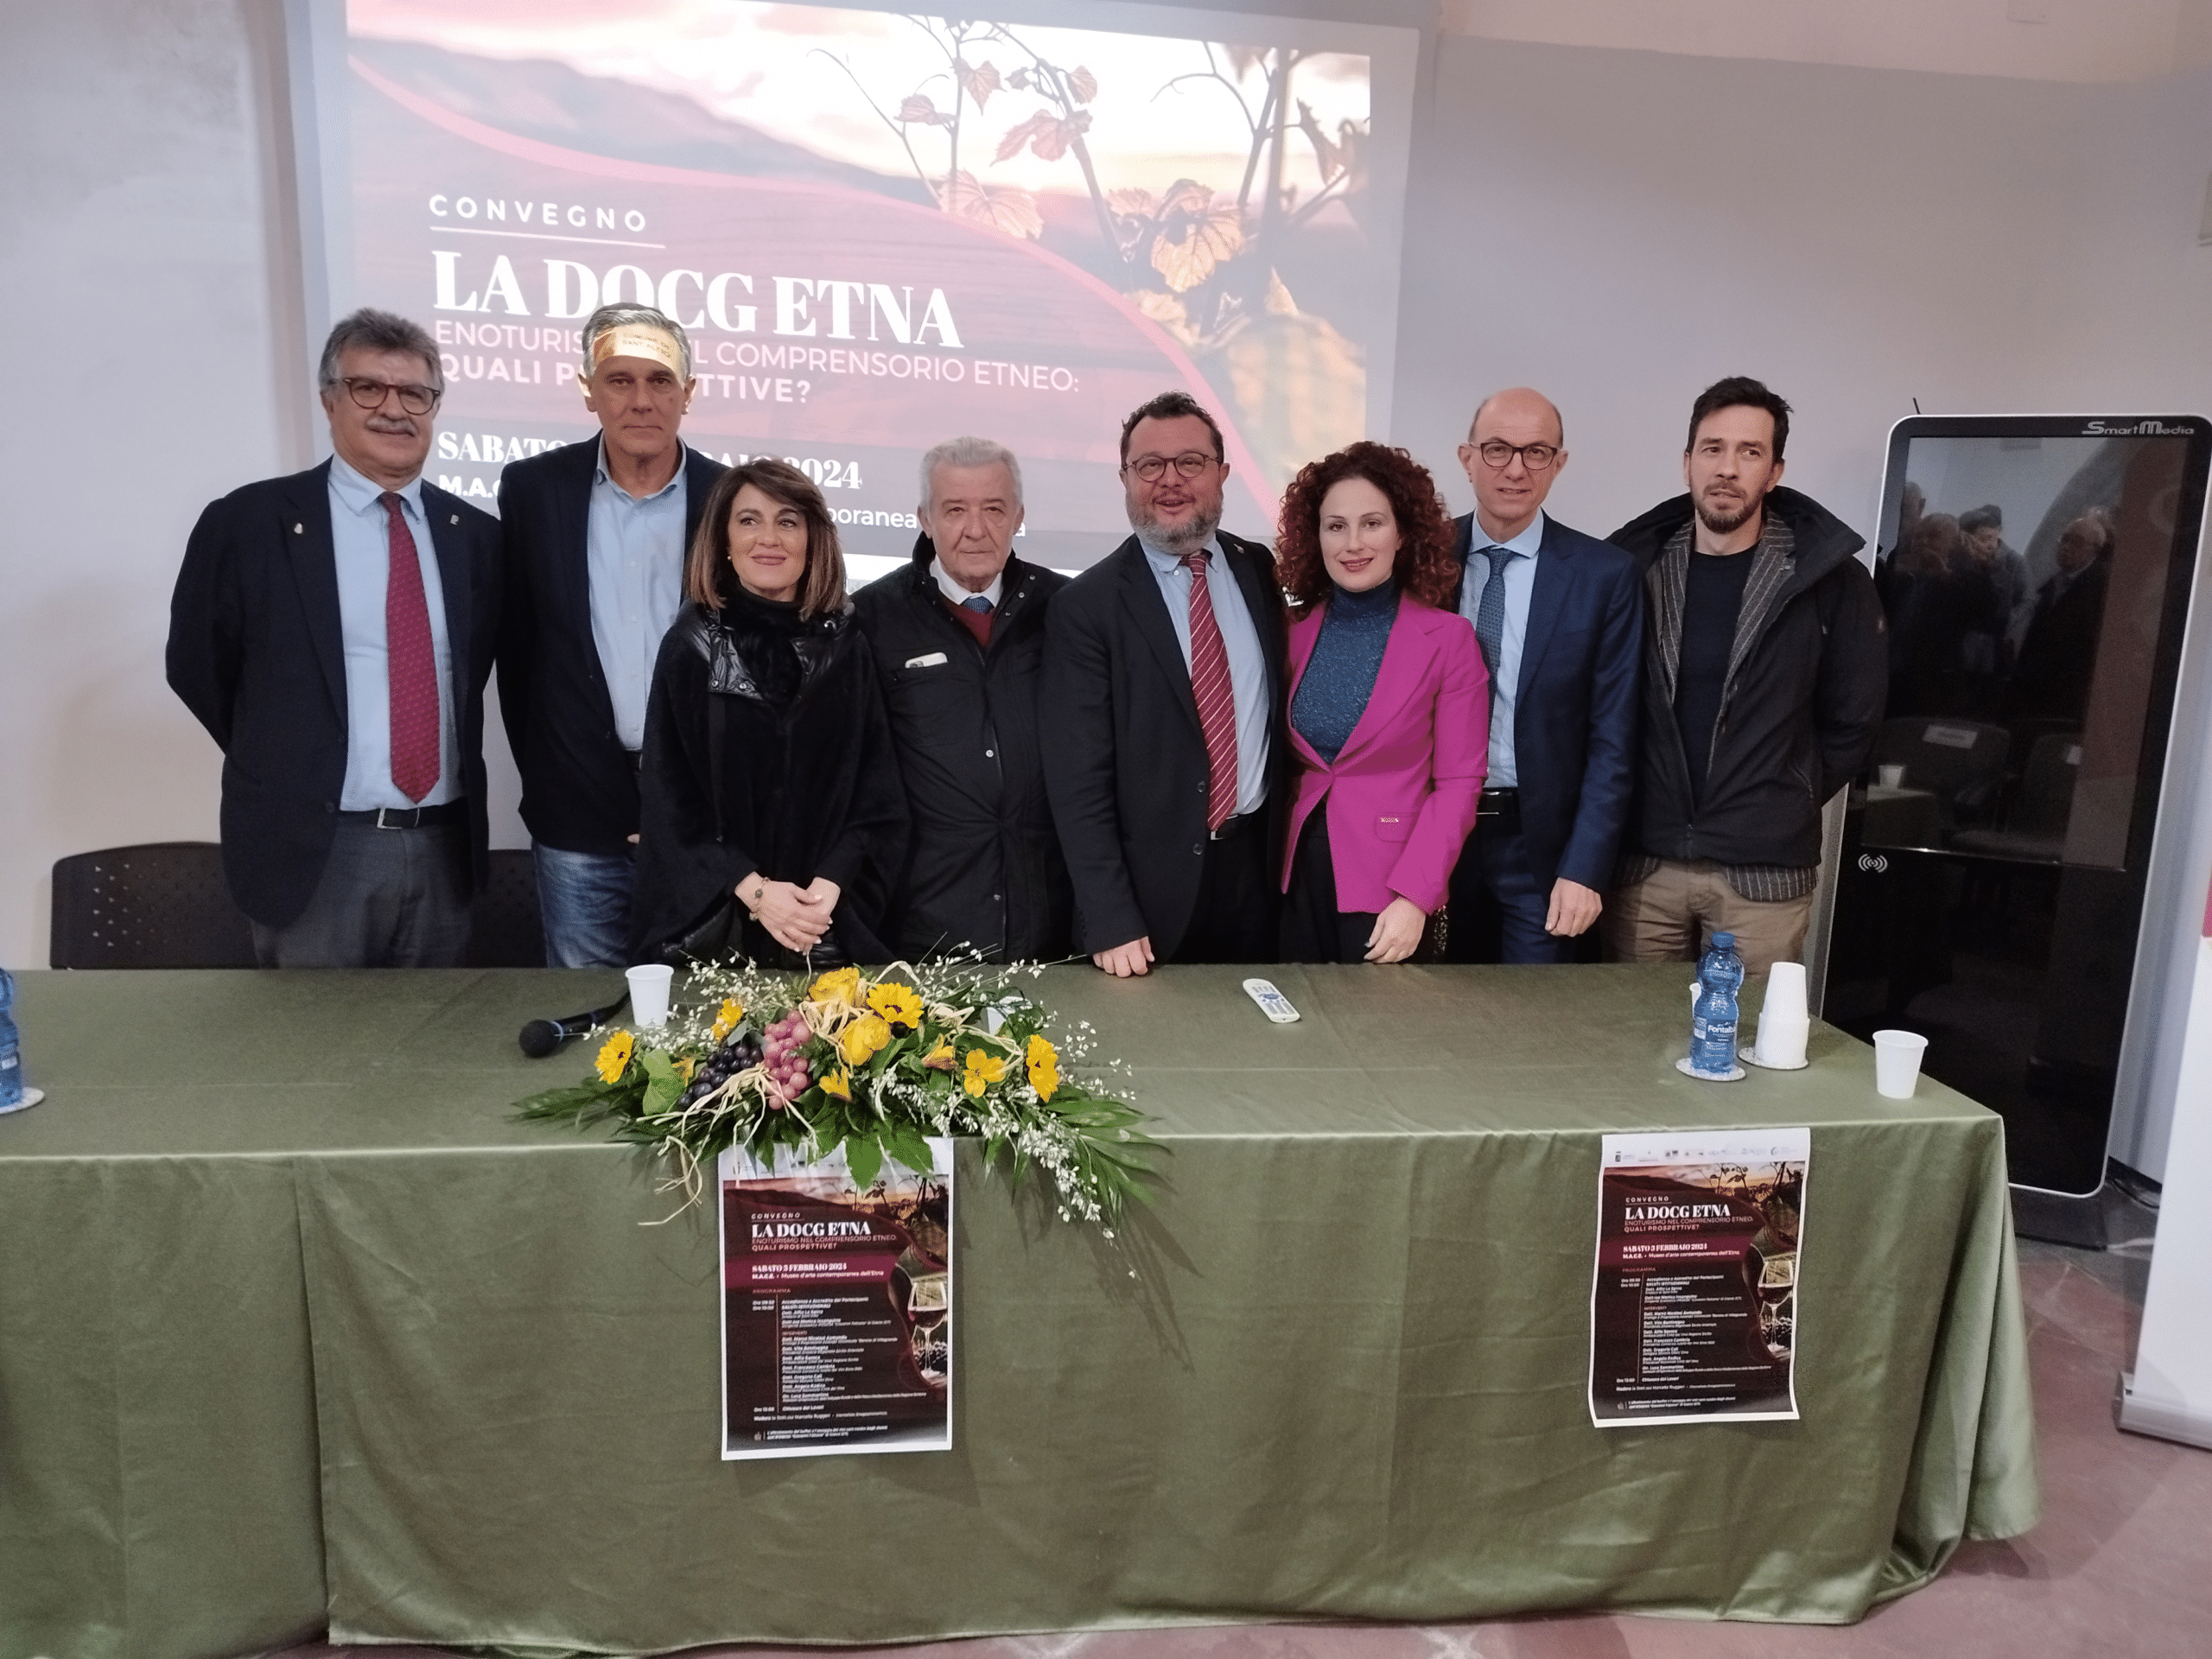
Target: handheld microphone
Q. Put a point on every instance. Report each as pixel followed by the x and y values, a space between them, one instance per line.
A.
pixel 541 1037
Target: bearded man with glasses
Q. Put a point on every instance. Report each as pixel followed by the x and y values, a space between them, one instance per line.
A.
pixel 334 630
pixel 1560 618
pixel 1162 709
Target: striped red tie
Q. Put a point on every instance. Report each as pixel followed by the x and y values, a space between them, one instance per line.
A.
pixel 411 665
pixel 1217 698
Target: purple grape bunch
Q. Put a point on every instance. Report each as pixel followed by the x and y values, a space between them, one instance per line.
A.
pixel 740 1050
pixel 782 1053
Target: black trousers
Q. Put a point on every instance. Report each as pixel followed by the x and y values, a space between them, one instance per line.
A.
pixel 1313 928
pixel 1234 919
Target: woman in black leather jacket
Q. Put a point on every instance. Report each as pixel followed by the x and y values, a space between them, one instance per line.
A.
pixel 772 815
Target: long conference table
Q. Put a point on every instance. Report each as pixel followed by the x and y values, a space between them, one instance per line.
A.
pixel 299 1327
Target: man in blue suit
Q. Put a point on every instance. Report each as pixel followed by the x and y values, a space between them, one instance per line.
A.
pixel 1560 617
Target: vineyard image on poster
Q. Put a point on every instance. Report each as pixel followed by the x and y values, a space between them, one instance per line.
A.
pixel 880 230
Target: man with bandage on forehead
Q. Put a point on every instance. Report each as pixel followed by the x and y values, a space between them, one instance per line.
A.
pixel 595 534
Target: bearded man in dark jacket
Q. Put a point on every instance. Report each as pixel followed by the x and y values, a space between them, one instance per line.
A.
pixel 1765 663
pixel 958 640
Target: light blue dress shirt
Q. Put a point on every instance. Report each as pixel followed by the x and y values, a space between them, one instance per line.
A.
pixel 1505 684
pixel 1247 664
pixel 360 536
pixel 633 552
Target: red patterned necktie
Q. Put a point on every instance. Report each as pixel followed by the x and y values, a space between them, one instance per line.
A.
pixel 412 665
pixel 1217 698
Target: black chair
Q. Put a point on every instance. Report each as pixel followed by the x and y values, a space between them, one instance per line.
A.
pixel 508 932
pixel 2035 829
pixel 163 904
pixel 1960 762
pixel 166 904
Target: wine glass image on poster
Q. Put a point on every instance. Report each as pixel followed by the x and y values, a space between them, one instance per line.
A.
pixel 881 230
pixel 2036 573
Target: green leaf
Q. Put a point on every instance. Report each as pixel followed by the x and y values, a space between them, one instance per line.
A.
pixel 666 1085
pixel 864 1158
pixel 904 1142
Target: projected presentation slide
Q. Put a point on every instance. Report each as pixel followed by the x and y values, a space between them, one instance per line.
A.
pixel 881 230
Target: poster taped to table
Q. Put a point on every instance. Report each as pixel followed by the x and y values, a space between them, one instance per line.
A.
pixel 1693 1298
pixel 836 1307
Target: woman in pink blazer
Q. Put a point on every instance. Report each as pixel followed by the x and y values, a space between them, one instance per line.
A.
pixel 1389 708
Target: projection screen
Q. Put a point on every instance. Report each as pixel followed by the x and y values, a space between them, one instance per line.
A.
pixel 880 229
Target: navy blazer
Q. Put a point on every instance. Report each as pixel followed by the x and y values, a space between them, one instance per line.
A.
pixel 578 788
pixel 1125 757
pixel 255 652
pixel 1575 714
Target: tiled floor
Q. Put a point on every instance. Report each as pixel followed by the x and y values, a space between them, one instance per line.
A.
pixel 2121 1565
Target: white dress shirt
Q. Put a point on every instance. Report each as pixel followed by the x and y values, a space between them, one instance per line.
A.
pixel 1505 684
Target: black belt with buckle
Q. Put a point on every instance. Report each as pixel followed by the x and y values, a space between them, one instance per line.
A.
pixel 409 817
pixel 1498 807
pixel 636 759
pixel 1232 828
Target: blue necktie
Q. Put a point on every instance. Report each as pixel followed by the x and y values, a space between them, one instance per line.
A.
pixel 1490 615
pixel 979 604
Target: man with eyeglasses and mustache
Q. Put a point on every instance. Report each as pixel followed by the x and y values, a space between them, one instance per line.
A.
pixel 1765 670
pixel 334 630
pixel 1163 696
pixel 1560 618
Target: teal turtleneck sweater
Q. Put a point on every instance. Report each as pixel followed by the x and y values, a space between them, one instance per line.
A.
pixel 1339 676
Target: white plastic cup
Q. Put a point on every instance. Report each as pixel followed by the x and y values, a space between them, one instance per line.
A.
pixel 1890 777
pixel 649 993
pixel 1785 994
pixel 1781 1041
pixel 1897 1063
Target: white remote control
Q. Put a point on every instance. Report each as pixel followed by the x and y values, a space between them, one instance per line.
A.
pixel 1273 1003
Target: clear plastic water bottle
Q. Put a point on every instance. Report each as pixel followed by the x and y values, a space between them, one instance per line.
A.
pixel 11 1060
pixel 1713 1025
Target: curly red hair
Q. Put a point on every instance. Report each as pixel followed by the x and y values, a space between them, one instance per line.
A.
pixel 1424 567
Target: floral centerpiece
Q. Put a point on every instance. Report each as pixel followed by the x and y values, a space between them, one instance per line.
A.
pixel 870 1063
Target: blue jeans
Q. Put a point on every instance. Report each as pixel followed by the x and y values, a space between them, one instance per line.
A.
pixel 584 901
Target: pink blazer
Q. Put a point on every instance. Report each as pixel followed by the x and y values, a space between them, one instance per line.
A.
pixel 1401 793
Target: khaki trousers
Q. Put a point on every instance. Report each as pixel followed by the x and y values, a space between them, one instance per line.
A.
pixel 1673 913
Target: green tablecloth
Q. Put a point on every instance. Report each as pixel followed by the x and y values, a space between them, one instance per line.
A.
pixel 295 1322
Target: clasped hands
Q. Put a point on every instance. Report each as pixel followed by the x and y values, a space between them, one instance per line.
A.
pixel 796 917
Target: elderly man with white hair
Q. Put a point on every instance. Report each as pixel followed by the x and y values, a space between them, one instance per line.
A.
pixel 958 637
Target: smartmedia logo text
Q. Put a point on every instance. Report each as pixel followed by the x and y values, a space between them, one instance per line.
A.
pixel 2134 429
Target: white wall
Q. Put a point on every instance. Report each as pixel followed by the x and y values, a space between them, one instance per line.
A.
pixel 1617 227
pixel 145 377
pixel 1620 228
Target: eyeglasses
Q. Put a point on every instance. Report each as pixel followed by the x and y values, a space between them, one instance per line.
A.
pixel 1498 454
pixel 370 394
pixel 1151 468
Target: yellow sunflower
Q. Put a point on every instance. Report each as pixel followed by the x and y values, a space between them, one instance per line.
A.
pixel 614 1055
pixel 1043 1068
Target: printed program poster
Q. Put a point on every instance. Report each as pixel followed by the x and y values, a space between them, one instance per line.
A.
pixel 837 1307
pixel 1693 1301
